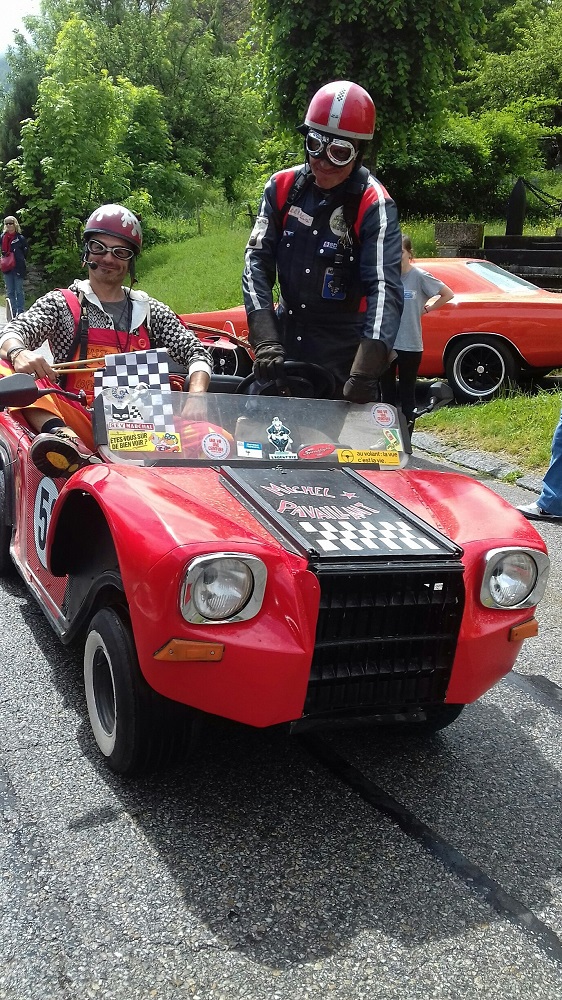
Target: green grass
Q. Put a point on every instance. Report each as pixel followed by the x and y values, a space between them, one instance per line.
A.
pixel 200 274
pixel 518 426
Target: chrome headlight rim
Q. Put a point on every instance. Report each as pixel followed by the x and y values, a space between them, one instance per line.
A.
pixel 492 560
pixel 251 606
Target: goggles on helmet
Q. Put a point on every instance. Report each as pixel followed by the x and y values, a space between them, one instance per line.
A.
pixel 98 249
pixel 340 152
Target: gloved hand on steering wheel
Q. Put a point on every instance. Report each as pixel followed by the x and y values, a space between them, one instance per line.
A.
pixel 268 365
pixel 265 338
pixel 371 360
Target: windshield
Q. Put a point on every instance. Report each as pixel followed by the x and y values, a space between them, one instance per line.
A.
pixel 147 427
pixel 501 279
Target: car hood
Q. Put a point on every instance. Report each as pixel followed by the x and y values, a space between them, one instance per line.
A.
pixel 300 509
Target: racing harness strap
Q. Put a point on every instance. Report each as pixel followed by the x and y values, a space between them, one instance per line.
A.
pixel 353 196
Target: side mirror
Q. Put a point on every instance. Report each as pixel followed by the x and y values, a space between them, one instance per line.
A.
pixel 439 393
pixel 18 390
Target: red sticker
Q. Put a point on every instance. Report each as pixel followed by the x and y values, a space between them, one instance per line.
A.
pixel 316 450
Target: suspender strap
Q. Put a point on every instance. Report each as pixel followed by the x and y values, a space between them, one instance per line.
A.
pixel 77 306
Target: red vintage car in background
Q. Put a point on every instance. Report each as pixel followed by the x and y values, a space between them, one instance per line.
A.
pixel 499 330
pixel 269 559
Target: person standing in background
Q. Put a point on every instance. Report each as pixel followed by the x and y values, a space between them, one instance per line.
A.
pixel 422 294
pixel 13 241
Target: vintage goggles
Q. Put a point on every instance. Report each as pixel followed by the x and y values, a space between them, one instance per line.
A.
pixel 98 249
pixel 340 152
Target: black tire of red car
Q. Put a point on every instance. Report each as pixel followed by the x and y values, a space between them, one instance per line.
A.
pixel 480 368
pixel 136 729
pixel 6 564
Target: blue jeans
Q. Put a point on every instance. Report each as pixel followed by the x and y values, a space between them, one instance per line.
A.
pixel 550 499
pixel 14 291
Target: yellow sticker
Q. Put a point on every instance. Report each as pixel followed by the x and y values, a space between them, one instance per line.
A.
pixel 143 441
pixel 347 456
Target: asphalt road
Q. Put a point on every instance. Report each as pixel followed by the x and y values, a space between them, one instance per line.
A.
pixel 365 865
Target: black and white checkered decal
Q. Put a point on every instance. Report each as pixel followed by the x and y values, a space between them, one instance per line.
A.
pixel 129 371
pixel 381 537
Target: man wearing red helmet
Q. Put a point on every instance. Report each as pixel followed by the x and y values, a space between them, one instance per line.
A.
pixel 96 316
pixel 328 231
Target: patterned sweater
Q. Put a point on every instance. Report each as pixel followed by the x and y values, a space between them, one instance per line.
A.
pixel 49 318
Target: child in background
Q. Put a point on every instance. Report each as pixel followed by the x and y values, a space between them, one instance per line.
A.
pixel 422 294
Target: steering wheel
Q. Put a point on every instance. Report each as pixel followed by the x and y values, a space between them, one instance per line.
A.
pixel 301 378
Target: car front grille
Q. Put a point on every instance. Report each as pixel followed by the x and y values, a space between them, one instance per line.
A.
pixel 385 640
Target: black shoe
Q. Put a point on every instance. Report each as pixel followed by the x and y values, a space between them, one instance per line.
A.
pixel 533 512
pixel 59 455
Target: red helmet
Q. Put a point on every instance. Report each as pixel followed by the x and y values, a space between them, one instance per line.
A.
pixel 115 220
pixel 342 108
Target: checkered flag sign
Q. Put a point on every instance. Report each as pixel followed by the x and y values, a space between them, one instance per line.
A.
pixel 124 372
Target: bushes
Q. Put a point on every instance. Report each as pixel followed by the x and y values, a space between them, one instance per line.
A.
pixel 465 171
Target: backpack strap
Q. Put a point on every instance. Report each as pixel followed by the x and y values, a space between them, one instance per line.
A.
pixel 287 195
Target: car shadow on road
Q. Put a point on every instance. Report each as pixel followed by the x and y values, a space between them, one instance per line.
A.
pixel 279 861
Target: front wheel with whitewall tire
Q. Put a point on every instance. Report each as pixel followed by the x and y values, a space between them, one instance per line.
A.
pixel 135 728
pixel 480 368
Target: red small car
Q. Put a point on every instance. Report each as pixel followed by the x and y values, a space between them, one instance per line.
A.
pixel 498 331
pixel 269 559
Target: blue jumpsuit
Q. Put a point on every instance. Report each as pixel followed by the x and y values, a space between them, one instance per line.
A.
pixel 297 247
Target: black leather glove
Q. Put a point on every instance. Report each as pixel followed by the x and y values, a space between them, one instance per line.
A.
pixel 371 360
pixel 265 338
pixel 359 389
pixel 268 364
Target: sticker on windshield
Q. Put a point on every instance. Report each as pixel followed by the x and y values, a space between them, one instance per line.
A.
pixel 394 439
pixel 123 440
pixel 348 456
pixel 383 415
pixel 215 446
pixel 249 449
pixel 316 451
pixel 280 437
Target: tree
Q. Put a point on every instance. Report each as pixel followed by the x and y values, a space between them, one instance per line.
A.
pixel 71 151
pixel 403 53
pixel 532 69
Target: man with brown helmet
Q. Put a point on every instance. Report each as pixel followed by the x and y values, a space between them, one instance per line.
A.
pixel 94 317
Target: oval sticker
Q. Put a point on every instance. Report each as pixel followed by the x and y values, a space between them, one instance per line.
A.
pixel 45 498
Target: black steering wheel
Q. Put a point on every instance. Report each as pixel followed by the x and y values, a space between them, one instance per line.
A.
pixel 300 378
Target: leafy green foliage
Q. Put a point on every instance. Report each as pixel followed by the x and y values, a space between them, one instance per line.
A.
pixel 403 53
pixel 80 120
pixel 465 170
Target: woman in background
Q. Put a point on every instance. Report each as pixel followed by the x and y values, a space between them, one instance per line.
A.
pixel 422 294
pixel 14 242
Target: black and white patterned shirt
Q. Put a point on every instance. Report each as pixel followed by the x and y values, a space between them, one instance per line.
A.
pixel 50 319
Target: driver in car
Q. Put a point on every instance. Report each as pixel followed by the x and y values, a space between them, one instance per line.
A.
pixel 95 317
pixel 328 231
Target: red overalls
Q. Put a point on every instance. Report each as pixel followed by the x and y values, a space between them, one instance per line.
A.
pixel 100 343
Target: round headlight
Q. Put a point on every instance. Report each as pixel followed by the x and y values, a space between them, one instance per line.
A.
pixel 221 588
pixel 512 579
